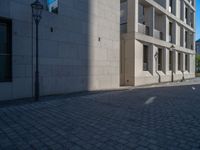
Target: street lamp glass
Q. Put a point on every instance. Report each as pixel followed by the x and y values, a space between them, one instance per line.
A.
pixel 37 9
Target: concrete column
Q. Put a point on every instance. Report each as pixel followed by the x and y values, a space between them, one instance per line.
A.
pixel 174 8
pixel 129 62
pixel 178 8
pixel 191 63
pixel 175 61
pixel 132 16
pixel 165 60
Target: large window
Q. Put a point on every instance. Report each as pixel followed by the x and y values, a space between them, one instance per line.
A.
pixel 160 59
pixel 186 39
pixel 123 16
pixel 5 50
pixel 170 31
pixel 145 58
pixel 170 5
pixel 179 61
pixel 186 62
pixel 52 6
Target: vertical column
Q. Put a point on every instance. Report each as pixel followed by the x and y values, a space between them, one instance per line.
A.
pixel 132 16
pixel 174 7
pixel 182 61
pixel 175 61
pixel 191 63
pixel 178 9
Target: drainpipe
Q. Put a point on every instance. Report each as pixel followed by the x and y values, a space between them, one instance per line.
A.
pixel 156 59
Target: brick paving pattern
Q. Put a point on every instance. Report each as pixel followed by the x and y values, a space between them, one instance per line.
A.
pixel 141 119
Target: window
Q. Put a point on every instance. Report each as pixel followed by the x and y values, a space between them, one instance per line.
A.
pixel 170 31
pixel 5 50
pixel 145 58
pixel 170 59
pixel 186 62
pixel 160 59
pixel 179 61
pixel 123 16
pixel 186 13
pixel 186 37
pixel 170 5
pixel 52 6
pixel 141 14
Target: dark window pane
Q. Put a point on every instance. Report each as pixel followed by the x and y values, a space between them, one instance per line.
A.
pixel 5 68
pixel 160 59
pixel 5 50
pixel 145 58
pixel 3 38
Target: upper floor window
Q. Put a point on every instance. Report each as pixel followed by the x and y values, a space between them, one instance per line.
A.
pixel 5 50
pixel 52 6
pixel 170 5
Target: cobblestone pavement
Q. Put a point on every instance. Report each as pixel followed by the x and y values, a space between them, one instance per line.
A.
pixel 165 118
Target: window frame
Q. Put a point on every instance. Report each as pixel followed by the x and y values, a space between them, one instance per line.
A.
pixel 8 23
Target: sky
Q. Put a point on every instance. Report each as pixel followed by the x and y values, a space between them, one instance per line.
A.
pixel 198 19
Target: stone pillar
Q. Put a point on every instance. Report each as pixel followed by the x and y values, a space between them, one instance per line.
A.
pixel 175 61
pixel 183 62
pixel 132 16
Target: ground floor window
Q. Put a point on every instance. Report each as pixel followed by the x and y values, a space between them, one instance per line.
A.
pixel 179 61
pixel 145 58
pixel 160 59
pixel 5 50
pixel 186 62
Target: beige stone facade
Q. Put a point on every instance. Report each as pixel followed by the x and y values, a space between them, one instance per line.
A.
pixel 78 48
pixel 157 41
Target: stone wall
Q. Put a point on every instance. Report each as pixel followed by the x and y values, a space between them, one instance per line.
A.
pixel 78 47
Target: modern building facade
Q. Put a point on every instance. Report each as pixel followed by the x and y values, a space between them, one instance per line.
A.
pixel 79 46
pixel 198 46
pixel 157 41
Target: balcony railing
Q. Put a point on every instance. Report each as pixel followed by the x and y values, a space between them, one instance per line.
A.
pixel 143 29
pixel 158 34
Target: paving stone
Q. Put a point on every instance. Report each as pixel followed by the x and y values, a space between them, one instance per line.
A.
pixel 118 120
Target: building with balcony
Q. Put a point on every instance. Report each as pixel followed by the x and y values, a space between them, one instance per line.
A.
pixel 157 41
